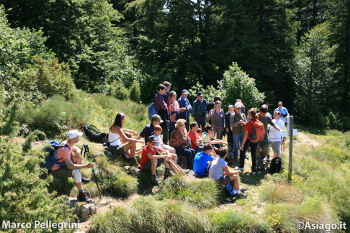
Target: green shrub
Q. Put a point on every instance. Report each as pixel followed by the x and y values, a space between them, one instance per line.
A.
pixel 9 125
pixel 23 195
pixel 146 214
pixel 119 91
pixel 113 179
pixel 135 91
pixel 202 193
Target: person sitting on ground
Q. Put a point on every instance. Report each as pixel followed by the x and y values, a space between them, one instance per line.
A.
pixel 152 158
pixel 160 144
pixel 196 140
pixel 200 132
pixel 71 156
pixel 115 135
pixel 220 172
pixel 208 136
pixel 202 160
pixel 180 141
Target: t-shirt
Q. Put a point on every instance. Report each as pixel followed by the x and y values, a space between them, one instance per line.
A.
pixel 284 111
pixel 194 138
pixel 147 131
pixel 266 120
pixel 159 139
pixel 201 162
pixel 274 134
pixel 205 137
pixel 249 127
pixel 63 153
pixel 216 169
pixel 144 157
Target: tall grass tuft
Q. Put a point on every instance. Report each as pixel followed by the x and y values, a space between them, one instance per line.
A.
pixel 201 193
pixel 146 214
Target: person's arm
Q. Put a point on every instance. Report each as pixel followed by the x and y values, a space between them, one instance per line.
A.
pixel 65 153
pixel 230 173
pixel 125 138
pixel 194 109
pixel 244 139
pixel 131 131
pixel 189 107
pixel 218 141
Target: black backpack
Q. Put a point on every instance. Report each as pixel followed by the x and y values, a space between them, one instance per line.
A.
pixel 93 134
pixel 276 165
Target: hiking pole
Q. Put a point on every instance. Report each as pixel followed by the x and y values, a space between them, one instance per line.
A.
pixel 87 151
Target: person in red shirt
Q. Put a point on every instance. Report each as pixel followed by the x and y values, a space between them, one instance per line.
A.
pixel 194 136
pixel 248 131
pixel 152 157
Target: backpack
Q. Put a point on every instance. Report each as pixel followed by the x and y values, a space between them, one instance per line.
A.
pixel 93 134
pixel 152 110
pixel 258 132
pixel 276 165
pixel 51 159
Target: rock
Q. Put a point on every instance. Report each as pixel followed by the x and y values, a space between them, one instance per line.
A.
pixel 85 210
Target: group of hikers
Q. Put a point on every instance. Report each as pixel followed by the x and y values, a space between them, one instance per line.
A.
pixel 167 140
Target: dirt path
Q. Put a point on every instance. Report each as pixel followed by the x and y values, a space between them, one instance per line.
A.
pixel 304 139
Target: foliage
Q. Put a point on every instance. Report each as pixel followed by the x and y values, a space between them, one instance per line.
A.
pixel 50 78
pixel 146 214
pixel 202 193
pixel 35 136
pixel 135 91
pixel 119 91
pixel 23 195
pixel 8 125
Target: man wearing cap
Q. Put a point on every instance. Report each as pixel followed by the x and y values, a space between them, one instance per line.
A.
pixel 167 89
pixel 264 145
pixel 283 110
pixel 185 103
pixel 148 130
pixel 152 158
pixel 199 109
pixel 71 156
pixel 237 125
pixel 230 113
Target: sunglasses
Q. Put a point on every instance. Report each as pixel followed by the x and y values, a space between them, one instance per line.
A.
pixel 154 143
pixel 238 108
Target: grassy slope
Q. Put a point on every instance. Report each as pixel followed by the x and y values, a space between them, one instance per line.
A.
pixel 318 193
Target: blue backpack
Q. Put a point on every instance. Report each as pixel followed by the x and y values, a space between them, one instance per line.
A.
pixel 51 159
pixel 152 110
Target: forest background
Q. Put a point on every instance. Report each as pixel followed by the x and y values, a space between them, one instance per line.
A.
pixel 296 52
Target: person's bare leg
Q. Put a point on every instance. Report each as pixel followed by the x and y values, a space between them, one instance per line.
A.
pixel 166 164
pixel 235 182
pixel 174 157
pixel 130 146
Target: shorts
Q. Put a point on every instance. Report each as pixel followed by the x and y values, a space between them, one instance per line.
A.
pixel 276 146
pixel 224 180
pixel 62 172
pixel 147 165
pixel 116 150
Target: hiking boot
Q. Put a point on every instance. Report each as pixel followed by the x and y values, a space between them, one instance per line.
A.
pixel 82 196
pixel 85 180
pixel 240 169
pixel 155 179
pixel 241 195
pixel 243 189
pixel 168 173
pixel 133 162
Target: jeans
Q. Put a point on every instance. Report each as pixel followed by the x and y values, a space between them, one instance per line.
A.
pixel 237 142
pixel 253 154
pixel 189 153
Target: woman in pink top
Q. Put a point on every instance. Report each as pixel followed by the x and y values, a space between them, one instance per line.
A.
pixel 173 109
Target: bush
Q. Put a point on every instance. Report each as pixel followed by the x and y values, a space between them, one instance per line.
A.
pixel 202 193
pixel 146 214
pixel 9 125
pixel 113 179
pixel 23 195
pixel 135 91
pixel 119 91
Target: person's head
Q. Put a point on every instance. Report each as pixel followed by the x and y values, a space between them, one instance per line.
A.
pixel 194 126
pixel 217 98
pixel 238 107
pixel 231 108
pixel 238 100
pixel 119 120
pixel 263 110
pixel 73 136
pixel 207 128
pixel 172 95
pixel 180 124
pixel 156 120
pixel 277 115
pixel 167 86
pixel 222 152
pixel 218 104
pixel 252 114
pixel 161 89
pixel 200 96
pixel 199 131
pixel 151 141
pixel 280 104
pixel 207 148
pixel 158 130
pixel 184 93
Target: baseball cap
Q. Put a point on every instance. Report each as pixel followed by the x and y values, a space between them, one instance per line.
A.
pixel 74 133
pixel 184 91
pixel 231 106
pixel 156 117
pixel 152 138
pixel 238 106
pixel 280 102
pixel 200 93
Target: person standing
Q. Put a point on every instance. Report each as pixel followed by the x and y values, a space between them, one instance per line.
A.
pixel 167 89
pixel 230 113
pixel 238 124
pixel 284 112
pixel 275 136
pixel 199 109
pixel 185 103
pixel 162 109
pixel 217 117
pixel 211 105
pixel 174 110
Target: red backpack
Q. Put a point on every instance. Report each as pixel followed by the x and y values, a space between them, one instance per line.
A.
pixel 258 132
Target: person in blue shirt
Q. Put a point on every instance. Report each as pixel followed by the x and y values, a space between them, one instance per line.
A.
pixel 185 103
pixel 202 160
pixel 199 109
pixel 283 110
